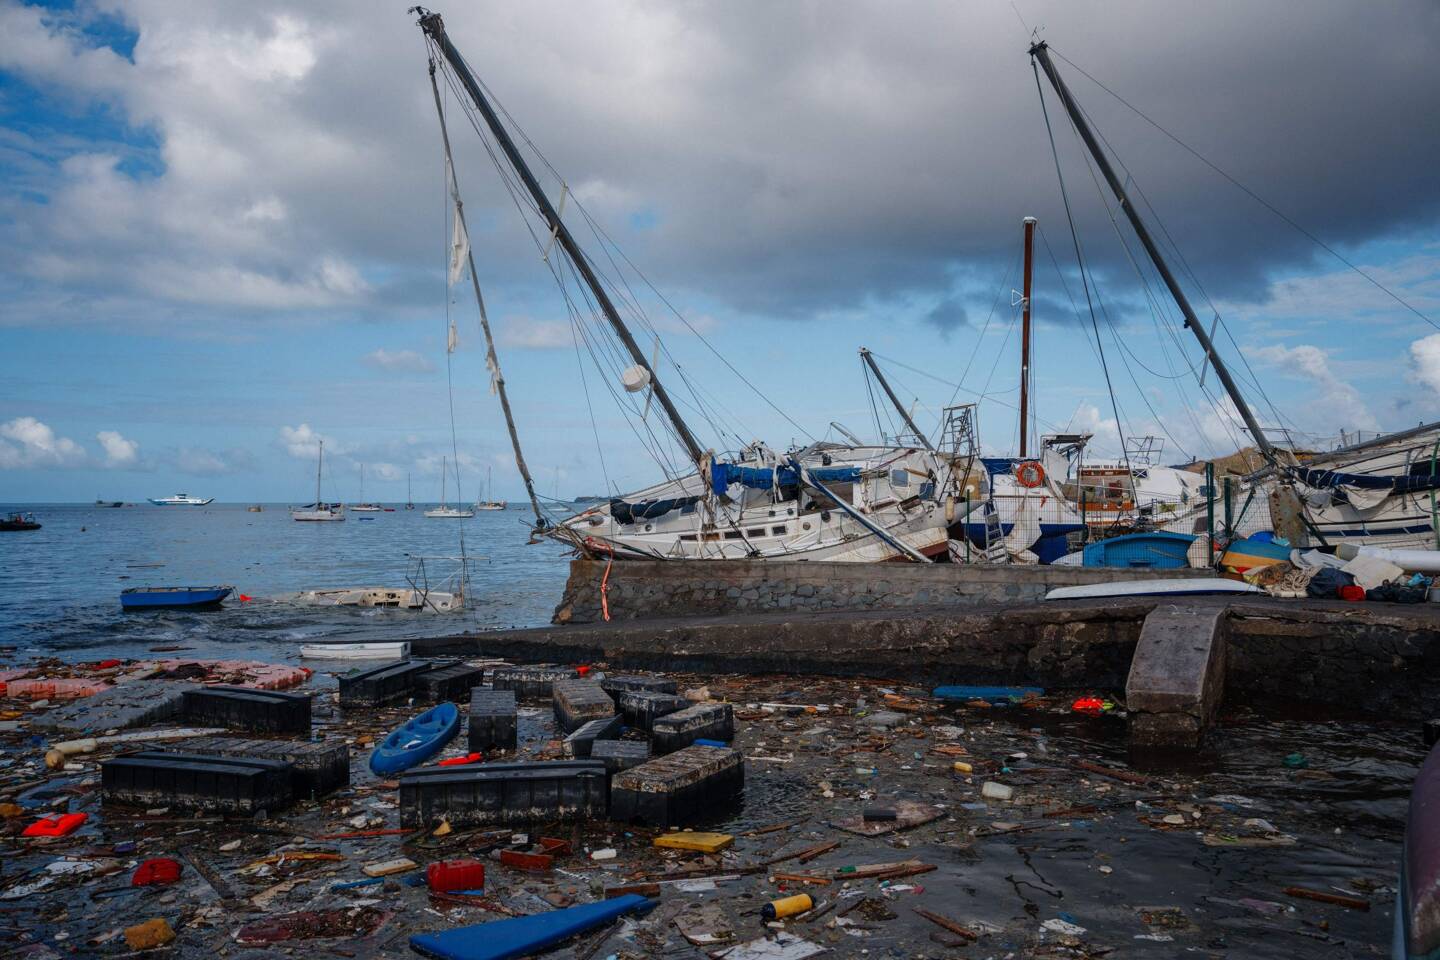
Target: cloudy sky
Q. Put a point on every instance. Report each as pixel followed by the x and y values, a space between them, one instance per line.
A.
pixel 223 229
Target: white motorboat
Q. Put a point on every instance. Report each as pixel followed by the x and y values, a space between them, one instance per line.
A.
pixel 319 511
pixel 181 500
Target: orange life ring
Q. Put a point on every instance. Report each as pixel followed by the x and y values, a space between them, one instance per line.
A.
pixel 1029 473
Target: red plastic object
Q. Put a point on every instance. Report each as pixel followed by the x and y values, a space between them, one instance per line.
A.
pixel 245 599
pixel 447 875
pixel 156 873
pixel 461 761
pixel 582 670
pixel 1352 592
pixel 56 825
pixel 555 847
pixel 107 664
pixel 527 861
pixel 1092 705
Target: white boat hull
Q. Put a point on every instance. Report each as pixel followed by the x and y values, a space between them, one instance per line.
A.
pixel 355 651
pixel 449 513
pixel 1180 587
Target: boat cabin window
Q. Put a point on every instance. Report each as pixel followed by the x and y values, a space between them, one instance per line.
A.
pixel 755 532
pixel 777 531
pixel 732 534
pixel 687 536
pixel 899 478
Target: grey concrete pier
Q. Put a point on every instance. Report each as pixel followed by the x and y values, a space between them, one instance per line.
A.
pixel 1177 677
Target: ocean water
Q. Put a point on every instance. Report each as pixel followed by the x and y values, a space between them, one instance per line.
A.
pixel 60 585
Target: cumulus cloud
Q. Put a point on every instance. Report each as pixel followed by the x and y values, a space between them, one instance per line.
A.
pixel 303 443
pixel 1425 361
pixel 1339 403
pixel 26 443
pixel 199 462
pixel 525 334
pixel 119 452
pixel 397 361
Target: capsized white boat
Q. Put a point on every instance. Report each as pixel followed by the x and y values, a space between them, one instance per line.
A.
pixel 1179 587
pixel 355 650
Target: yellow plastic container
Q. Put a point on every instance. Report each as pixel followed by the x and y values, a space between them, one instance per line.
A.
pixel 962 767
pixel 696 840
pixel 787 907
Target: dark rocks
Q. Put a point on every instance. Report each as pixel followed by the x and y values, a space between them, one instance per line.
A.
pixel 676 789
pixel 243 708
pixel 577 702
pixel 214 784
pixel 703 721
pixel 503 794
pixel 388 683
pixel 492 724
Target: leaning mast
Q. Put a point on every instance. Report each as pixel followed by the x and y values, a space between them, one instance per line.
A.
pixel 434 28
pixel 1041 52
pixel 894 400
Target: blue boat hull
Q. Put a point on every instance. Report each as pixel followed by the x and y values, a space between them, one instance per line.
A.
pixel 174 599
pixel 524 936
pixel 416 740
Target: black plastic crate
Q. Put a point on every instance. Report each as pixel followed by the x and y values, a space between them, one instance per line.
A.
pixel 189 781
pixel 530 683
pixel 579 743
pixel 245 708
pixel 316 767
pixel 577 702
pixel 385 684
pixel 675 790
pixel 624 683
pixel 703 721
pixel 492 721
pixel 642 708
pixel 450 681
pixel 504 794
pixel 618 755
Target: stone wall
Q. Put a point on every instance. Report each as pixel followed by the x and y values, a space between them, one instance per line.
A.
pixel 639 590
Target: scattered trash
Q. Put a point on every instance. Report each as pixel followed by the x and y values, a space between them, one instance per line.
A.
pixel 151 933
pixel 786 907
pixel 56 825
pixel 156 872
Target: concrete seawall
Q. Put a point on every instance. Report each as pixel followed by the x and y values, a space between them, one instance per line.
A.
pixel 1343 659
pixel 649 590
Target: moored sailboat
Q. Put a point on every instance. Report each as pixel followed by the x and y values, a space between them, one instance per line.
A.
pixel 318 511
pixel 445 511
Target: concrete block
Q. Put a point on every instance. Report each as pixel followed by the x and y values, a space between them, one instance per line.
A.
pixel 189 781
pixel 580 743
pixel 503 794
pixel 450 681
pixel 676 789
pixel 618 755
pixel 137 703
pixel 624 683
pixel 388 683
pixel 492 722
pixel 641 708
pixel 1177 678
pixel 243 708
pixel 577 702
pixel 530 683
pixel 703 721
pixel 317 767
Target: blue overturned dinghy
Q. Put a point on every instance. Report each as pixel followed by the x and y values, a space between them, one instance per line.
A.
pixel 416 740
pixel 172 598
pixel 523 936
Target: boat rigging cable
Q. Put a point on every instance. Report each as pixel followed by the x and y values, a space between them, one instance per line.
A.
pixel 492 360
pixel 1252 194
pixel 1085 281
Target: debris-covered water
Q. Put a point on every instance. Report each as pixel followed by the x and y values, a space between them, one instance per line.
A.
pixel 1089 857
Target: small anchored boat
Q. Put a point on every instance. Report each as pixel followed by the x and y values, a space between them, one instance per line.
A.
pixel 19 521
pixel 355 650
pixel 416 740
pixel 169 598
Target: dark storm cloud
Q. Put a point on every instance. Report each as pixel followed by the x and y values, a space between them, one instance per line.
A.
pixel 777 159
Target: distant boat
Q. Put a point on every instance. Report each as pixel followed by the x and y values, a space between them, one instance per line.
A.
pixel 489 504
pixel 19 521
pixel 318 511
pixel 362 506
pixel 109 503
pixel 255 509
pixel 162 598
pixel 181 500
pixel 444 512
pixel 409 500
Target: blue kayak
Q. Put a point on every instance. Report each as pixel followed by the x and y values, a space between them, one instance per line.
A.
pixel 416 740
pixel 990 694
pixel 523 936
pixel 159 598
